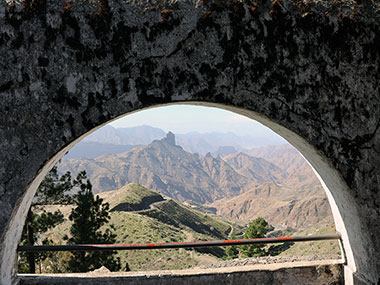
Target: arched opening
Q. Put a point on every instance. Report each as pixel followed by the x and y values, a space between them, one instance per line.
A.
pixel 286 61
pixel 342 206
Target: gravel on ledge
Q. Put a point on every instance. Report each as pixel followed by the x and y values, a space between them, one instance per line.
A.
pixel 269 260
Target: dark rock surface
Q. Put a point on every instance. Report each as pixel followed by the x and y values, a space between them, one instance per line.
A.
pixel 310 67
pixel 170 139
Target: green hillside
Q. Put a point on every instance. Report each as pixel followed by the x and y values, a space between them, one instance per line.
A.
pixel 136 228
pixel 146 216
pixel 166 221
pixel 132 197
pixel 179 216
pixel 314 247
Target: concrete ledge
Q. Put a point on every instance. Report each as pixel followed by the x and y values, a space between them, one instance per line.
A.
pixel 317 272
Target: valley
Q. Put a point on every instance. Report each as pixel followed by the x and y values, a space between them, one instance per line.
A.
pixel 276 183
pixel 160 192
pixel 164 221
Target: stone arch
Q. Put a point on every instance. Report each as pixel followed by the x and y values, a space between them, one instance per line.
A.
pixel 308 71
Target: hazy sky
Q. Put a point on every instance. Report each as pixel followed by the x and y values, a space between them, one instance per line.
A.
pixel 185 118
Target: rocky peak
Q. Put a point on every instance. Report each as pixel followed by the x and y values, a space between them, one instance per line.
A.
pixel 209 155
pixel 170 138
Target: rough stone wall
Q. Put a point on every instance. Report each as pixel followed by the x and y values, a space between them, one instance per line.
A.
pixel 310 66
pixel 311 275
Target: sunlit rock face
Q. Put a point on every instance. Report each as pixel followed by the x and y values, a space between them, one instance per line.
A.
pixel 313 68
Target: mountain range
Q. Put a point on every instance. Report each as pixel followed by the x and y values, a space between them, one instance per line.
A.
pixel 168 168
pixel 110 140
pixel 276 183
pixel 280 205
pixel 295 199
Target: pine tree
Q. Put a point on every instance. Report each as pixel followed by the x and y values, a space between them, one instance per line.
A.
pixel 232 252
pixel 257 229
pixel 88 217
pixel 52 190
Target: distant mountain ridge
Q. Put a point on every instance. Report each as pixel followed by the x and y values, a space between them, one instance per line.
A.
pixel 89 149
pixel 166 167
pixel 255 168
pixel 203 143
pixel 284 156
pixel 101 141
pixel 277 184
pixel 280 205
pixel 140 135
pixel 293 199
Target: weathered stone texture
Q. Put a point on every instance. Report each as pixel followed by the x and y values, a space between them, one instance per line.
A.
pixel 312 67
pixel 307 274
